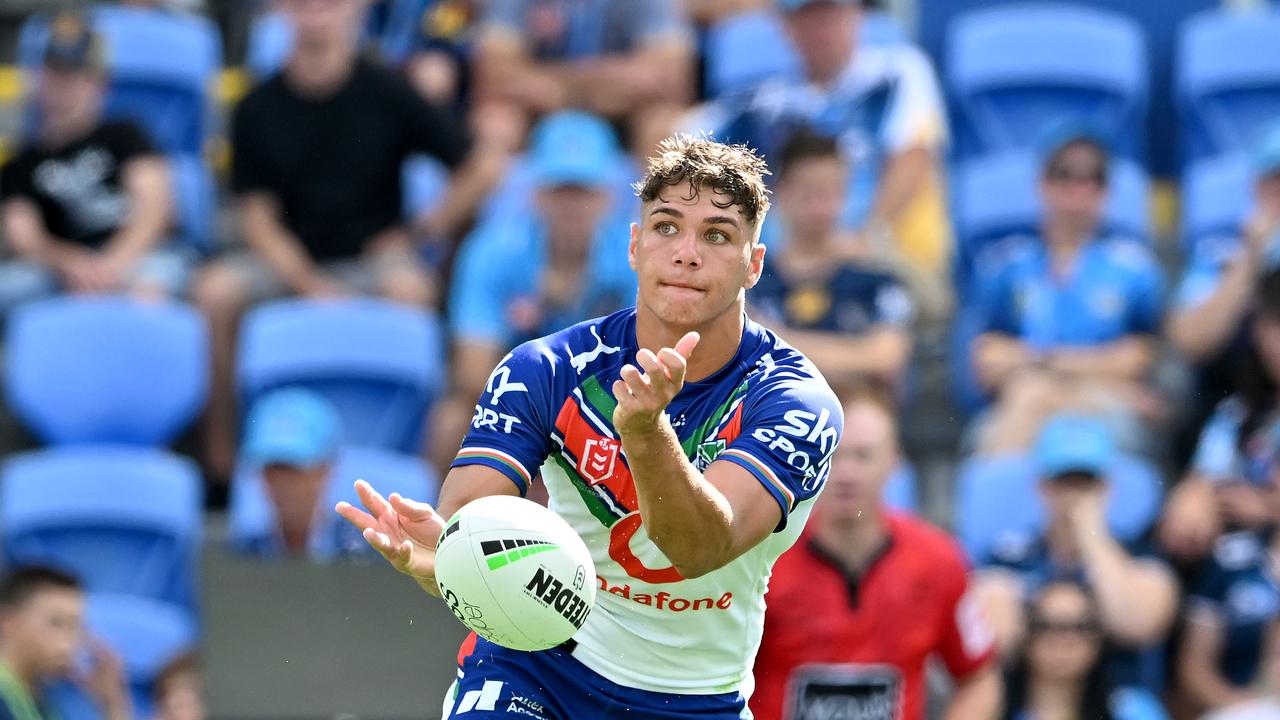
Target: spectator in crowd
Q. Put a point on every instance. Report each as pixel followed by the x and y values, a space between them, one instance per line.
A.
pixel 85 205
pixel 41 628
pixel 318 150
pixel 177 692
pixel 1068 320
pixel 627 60
pixel 1266 703
pixel 292 436
pixel 568 265
pixel 1236 437
pixel 1136 593
pixel 1061 673
pixel 820 290
pixel 884 106
pixel 867 596
pixel 437 67
pixel 1207 318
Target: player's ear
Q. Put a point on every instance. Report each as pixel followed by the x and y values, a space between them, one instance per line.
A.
pixel 755 264
pixel 631 246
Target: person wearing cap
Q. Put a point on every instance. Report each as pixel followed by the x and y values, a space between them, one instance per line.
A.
pixel 318 153
pixel 293 436
pixel 1137 594
pixel 1068 319
pixel 630 61
pixel 867 596
pixel 519 277
pixel 85 204
pixel 829 298
pixel 883 103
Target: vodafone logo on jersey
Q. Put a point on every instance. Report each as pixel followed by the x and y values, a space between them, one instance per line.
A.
pixel 665 601
pixel 599 456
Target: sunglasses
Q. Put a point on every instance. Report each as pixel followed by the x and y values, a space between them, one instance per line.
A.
pixel 1067 174
pixel 1064 627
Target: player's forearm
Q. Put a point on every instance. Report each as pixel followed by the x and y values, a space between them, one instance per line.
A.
pixel 977 697
pixel 685 516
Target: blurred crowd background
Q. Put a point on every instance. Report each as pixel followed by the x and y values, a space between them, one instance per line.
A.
pixel 252 251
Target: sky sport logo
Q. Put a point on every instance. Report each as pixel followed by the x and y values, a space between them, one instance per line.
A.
pixel 500 553
pixel 554 594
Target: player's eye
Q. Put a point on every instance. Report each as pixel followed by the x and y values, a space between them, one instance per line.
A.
pixel 717 237
pixel 666 228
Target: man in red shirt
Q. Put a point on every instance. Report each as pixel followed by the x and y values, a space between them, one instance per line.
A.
pixel 866 596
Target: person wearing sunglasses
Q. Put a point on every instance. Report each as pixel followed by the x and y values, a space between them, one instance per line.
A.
pixel 1061 673
pixel 1067 320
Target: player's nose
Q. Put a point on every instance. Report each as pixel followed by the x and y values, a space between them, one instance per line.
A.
pixel 685 251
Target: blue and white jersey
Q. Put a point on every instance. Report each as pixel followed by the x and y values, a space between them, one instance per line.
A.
pixel 1235 591
pixel 548 409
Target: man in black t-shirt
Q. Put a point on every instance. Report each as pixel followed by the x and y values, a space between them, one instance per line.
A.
pixel 317 156
pixel 85 205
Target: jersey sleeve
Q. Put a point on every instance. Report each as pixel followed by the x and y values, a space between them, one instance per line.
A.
pixel 510 428
pixel 916 118
pixel 790 429
pixel 967 638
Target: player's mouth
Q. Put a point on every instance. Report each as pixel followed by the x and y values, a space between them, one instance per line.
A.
pixel 681 288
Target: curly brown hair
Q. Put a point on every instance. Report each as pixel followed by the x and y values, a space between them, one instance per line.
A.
pixel 732 170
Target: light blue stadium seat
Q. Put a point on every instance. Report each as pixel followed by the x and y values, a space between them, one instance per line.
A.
pixel 252 517
pixel 424 180
pixel 195 201
pixel 1217 196
pixel 1013 68
pixel 270 41
pixel 1227 80
pixel 997 499
pixel 380 363
pixel 900 493
pixel 106 369
pixel 122 519
pixel 996 196
pixel 747 49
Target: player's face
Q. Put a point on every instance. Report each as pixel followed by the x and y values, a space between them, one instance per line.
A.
pixel 1064 640
pixel 47 628
pixel 1074 186
pixel 864 460
pixel 824 34
pixel 693 259
pixel 811 195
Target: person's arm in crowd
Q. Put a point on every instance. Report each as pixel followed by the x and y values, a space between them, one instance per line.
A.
pixel 904 175
pixel 1137 598
pixel 998 357
pixel 999 592
pixel 1191 520
pixel 882 353
pixel 1198 674
pixel 1128 358
pixel 468 186
pixel 977 696
pixel 21 224
pixel 279 248
pixel 106 684
pixel 146 180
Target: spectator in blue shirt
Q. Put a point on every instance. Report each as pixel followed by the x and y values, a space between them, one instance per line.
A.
pixel 849 316
pixel 627 60
pixel 518 278
pixel 1067 320
pixel 882 103
pixel 1137 594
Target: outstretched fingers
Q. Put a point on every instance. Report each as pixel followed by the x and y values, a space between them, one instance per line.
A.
pixel 371 499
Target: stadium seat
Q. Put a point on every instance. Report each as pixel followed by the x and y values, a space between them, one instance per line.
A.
pixel 252 517
pixel 878 27
pixel 1012 68
pixel 195 201
pixel 997 501
pixel 380 363
pixel 1217 196
pixel 996 196
pixel 270 41
pixel 900 493
pixel 122 519
pixel 424 180
pixel 1227 80
pixel 106 369
pixel 747 49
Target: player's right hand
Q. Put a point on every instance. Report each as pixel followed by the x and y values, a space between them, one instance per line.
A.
pixel 403 531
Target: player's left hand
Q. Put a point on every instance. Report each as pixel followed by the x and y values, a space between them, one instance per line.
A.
pixel 643 393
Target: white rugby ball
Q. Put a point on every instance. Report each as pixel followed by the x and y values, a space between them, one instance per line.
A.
pixel 515 573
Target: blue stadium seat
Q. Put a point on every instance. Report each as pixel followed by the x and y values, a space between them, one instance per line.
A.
pixel 1217 195
pixel 252 517
pixel 122 519
pixel 900 493
pixel 878 27
pixel 195 201
pixel 747 49
pixel 106 369
pixel 1013 68
pixel 997 500
pixel 996 196
pixel 270 41
pixel 380 363
pixel 424 181
pixel 1228 80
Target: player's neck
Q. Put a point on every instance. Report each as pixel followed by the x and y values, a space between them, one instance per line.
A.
pixel 855 542
pixel 1053 700
pixel 719 341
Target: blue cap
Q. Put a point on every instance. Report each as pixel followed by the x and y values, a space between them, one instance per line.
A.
pixel 793 5
pixel 573 148
pixel 1074 443
pixel 1058 134
pixel 1266 152
pixel 292 427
